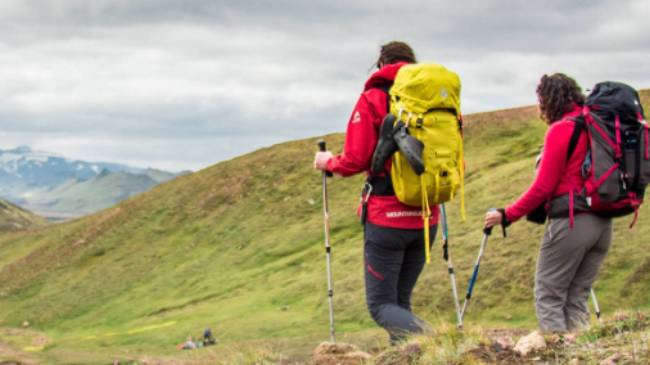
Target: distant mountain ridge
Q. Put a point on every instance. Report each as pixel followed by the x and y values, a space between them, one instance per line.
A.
pixel 25 165
pixel 56 186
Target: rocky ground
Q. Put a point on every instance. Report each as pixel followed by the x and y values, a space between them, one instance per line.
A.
pixel 624 339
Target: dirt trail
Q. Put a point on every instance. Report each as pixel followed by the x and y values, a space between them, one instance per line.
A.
pixel 9 355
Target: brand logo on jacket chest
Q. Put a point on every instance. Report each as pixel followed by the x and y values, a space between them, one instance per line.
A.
pixel 356 117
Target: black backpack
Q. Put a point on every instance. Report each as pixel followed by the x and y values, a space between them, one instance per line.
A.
pixel 617 166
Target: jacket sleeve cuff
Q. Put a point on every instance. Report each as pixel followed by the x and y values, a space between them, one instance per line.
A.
pixel 330 165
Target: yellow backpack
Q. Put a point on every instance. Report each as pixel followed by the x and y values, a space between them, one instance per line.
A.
pixel 426 99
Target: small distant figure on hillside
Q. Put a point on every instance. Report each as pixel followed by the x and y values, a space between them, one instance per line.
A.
pixel 188 345
pixel 208 338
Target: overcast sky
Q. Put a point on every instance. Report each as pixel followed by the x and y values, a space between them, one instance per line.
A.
pixel 184 84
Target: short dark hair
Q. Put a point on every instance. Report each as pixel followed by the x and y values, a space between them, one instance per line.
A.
pixel 556 95
pixel 393 52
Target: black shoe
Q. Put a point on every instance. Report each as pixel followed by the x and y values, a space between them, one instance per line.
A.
pixel 410 147
pixel 385 147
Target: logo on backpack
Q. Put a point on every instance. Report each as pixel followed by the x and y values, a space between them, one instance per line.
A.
pixel 443 93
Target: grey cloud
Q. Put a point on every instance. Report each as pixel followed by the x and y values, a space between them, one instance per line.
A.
pixel 150 78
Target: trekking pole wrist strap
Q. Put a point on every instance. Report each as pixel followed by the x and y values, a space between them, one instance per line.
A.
pixel 505 223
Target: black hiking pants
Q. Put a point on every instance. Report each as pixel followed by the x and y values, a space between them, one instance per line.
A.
pixel 394 259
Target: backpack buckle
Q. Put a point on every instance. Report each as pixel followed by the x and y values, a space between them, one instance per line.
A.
pixel 367 190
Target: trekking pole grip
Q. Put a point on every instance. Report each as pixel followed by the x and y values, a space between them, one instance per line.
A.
pixel 322 147
pixel 488 230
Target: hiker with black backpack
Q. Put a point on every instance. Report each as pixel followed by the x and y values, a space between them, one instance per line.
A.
pixel 594 166
pixel 393 232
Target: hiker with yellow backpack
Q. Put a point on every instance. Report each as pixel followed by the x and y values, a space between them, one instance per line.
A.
pixel 404 132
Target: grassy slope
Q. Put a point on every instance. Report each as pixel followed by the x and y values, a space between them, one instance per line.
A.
pixel 95 194
pixel 238 246
pixel 14 218
pixel 158 175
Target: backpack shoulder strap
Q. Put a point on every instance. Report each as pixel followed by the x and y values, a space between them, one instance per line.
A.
pixel 386 89
pixel 575 136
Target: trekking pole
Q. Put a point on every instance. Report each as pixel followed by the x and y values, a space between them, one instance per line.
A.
pixel 328 248
pixel 487 231
pixel 595 302
pixel 450 266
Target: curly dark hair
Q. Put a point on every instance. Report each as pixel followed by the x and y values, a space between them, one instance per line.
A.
pixel 557 95
pixel 393 52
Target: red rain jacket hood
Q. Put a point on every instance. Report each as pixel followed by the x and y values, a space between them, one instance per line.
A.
pixel 383 77
pixel 360 141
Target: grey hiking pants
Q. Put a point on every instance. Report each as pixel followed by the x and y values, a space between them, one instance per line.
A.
pixel 394 259
pixel 568 263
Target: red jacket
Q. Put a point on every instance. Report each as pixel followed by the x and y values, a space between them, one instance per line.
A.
pixel 360 141
pixel 556 176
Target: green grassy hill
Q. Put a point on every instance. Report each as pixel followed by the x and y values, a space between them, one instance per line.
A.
pixel 13 218
pixel 76 198
pixel 238 247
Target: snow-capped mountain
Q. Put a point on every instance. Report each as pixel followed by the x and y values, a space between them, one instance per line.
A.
pixel 37 168
pixel 30 178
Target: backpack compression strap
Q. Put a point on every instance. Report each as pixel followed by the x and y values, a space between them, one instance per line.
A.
pixel 384 185
pixel 426 220
pixel 386 90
